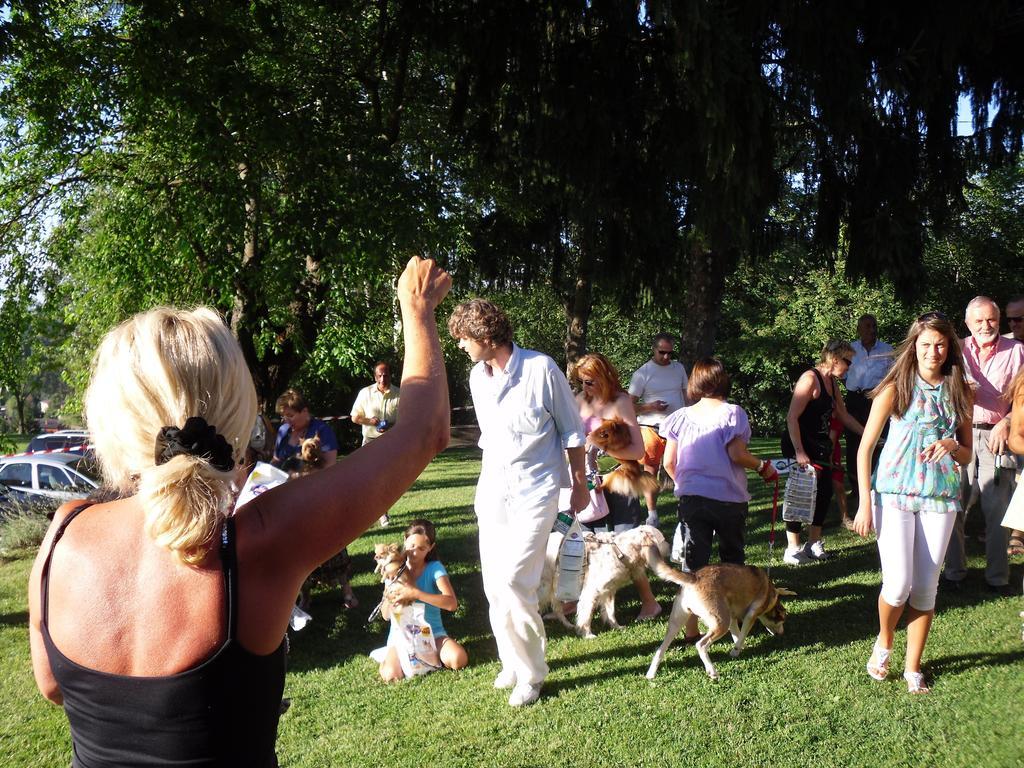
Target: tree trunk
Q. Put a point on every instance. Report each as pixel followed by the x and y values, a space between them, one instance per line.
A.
pixel 20 403
pixel 577 315
pixel 703 307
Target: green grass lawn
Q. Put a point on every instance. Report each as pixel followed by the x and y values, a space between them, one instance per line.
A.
pixel 802 699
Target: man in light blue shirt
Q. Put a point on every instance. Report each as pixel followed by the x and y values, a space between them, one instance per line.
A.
pixel 529 423
pixel 871 361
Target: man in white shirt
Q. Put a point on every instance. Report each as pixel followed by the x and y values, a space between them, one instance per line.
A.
pixel 871 361
pixel 376 406
pixel 658 388
pixel 376 410
pixel 529 422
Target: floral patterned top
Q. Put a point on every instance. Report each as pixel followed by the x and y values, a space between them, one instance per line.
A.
pixel 934 486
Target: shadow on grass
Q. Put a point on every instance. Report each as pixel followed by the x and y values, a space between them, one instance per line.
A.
pixel 18 619
pixel 957 664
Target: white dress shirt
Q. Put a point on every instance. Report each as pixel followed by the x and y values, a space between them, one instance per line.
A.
pixel 868 368
pixel 528 417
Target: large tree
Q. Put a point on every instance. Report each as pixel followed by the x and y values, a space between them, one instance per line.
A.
pixel 275 160
pixel 251 157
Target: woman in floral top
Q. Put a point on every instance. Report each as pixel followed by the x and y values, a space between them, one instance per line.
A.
pixel 928 403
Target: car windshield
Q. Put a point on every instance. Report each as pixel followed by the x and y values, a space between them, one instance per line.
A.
pixel 86 467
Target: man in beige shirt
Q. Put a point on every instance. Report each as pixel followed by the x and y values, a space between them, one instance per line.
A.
pixel 376 409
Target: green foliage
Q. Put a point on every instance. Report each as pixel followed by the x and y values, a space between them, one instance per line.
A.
pixel 22 529
pixel 779 313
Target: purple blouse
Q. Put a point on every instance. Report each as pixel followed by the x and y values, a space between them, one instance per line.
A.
pixel 703 466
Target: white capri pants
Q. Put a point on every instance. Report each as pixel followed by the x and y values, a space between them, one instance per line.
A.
pixel 911 546
pixel 514 530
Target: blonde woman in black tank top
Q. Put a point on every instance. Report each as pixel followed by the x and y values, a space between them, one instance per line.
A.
pixel 160 649
pixel 816 397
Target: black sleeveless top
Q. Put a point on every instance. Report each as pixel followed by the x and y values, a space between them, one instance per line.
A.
pixel 221 713
pixel 815 421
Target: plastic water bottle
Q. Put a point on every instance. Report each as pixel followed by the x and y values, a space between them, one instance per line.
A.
pixel 570 567
pixel 801 492
pixel 562 523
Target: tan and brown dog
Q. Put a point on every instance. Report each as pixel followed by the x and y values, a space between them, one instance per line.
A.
pixel 629 478
pixel 728 598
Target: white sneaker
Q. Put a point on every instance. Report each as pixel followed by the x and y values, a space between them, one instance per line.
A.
pixel 524 695
pixel 817 551
pixel 385 520
pixel 796 556
pixel 505 679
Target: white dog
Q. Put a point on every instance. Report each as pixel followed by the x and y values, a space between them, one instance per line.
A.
pixel 612 561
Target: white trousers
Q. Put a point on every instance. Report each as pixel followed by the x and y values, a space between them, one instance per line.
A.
pixel 514 529
pixel 911 546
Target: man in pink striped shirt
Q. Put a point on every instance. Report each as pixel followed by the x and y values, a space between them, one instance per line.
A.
pixel 991 361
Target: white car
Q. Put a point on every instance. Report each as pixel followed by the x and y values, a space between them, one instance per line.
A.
pixel 60 476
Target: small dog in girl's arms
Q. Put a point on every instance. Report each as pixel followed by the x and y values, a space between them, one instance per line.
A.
pixel 629 478
pixel 391 564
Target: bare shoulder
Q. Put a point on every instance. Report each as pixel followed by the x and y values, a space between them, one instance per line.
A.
pixel 623 407
pixel 807 382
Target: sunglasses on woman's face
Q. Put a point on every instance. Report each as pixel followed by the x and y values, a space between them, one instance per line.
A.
pixel 587 382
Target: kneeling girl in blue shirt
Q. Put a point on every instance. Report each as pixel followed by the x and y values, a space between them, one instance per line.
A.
pixel 430 586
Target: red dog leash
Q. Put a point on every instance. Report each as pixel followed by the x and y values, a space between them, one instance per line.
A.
pixel 771 532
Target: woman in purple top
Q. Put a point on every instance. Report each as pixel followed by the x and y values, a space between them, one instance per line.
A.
pixel 706 454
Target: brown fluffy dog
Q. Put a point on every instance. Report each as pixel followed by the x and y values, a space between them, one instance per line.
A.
pixel 391 564
pixel 612 561
pixel 729 598
pixel 629 478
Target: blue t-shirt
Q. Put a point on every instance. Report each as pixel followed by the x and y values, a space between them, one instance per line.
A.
pixel 316 428
pixel 427 582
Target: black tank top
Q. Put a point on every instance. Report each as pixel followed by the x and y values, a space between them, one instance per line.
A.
pixel 815 422
pixel 221 713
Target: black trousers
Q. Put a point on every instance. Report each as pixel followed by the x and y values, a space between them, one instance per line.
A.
pixel 702 518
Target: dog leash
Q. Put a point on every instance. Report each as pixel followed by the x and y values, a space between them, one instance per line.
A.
pixel 380 606
pixel 771 532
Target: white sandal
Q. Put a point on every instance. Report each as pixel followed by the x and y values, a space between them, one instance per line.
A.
pixel 880 670
pixel 915 682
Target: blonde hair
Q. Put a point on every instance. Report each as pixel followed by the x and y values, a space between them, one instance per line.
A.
pixel 834 350
pixel 156 370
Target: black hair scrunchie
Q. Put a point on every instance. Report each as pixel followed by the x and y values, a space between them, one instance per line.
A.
pixel 196 438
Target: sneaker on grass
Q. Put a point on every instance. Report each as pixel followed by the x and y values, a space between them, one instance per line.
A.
pixel 796 556
pixel 524 694
pixel 817 551
pixel 505 679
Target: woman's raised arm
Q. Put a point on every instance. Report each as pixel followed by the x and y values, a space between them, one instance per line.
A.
pixel 291 529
